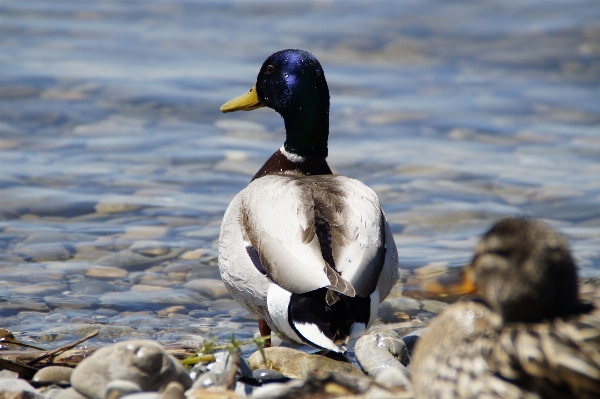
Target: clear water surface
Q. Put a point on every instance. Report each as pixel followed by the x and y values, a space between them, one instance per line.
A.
pixel 116 165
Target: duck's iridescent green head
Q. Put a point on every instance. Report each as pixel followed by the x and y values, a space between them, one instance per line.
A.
pixel 292 82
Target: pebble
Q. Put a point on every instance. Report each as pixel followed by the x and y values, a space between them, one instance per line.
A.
pixel 173 391
pixel 150 248
pixel 317 362
pixel 128 260
pixel 44 252
pixel 433 306
pixel 69 393
pixel 269 376
pixel 116 207
pixel 287 361
pixel 379 350
pixel 39 289
pixel 106 272
pixel 195 254
pixel 411 339
pixel 54 375
pixel 211 288
pixel 136 233
pixel 18 389
pixel 141 298
pixel 118 388
pixel 142 362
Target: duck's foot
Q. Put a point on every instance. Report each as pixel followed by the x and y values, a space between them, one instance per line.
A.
pixel 265 331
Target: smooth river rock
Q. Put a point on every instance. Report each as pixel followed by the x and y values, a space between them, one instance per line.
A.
pixel 142 362
pixel 287 361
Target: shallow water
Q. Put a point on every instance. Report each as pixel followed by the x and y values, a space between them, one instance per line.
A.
pixel 117 166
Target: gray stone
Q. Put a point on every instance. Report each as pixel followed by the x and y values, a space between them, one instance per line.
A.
pixel 380 350
pixel 39 289
pixel 139 361
pixel 411 339
pixel 69 393
pixel 54 375
pixel 267 375
pixel 150 248
pixel 8 375
pixel 119 388
pixel 433 306
pixel 173 391
pixel 52 393
pixel 18 386
pixel 219 370
pixel 179 297
pixel 211 288
pixel 394 378
pixel 44 252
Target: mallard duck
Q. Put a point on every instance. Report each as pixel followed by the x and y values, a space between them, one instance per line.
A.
pixel 528 336
pixel 308 252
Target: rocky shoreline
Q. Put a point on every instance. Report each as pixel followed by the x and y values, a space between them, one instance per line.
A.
pixel 379 366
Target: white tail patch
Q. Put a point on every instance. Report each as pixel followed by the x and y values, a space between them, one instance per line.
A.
pixel 312 333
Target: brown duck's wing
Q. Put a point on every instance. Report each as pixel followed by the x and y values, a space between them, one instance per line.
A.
pixel 450 358
pixel 557 359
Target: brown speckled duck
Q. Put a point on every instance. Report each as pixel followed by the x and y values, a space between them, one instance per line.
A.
pixel 529 337
pixel 308 252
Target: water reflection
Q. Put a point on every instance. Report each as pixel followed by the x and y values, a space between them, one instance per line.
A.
pixel 117 165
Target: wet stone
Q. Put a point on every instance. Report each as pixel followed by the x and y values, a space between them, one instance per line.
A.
pixel 211 288
pixel 433 306
pixel 152 298
pixel 70 302
pixel 93 287
pixel 194 255
pixel 54 375
pixel 269 376
pixel 106 272
pixel 150 248
pixel 44 252
pixel 116 207
pixel 379 350
pixel 40 289
pixel 127 260
pixel 411 339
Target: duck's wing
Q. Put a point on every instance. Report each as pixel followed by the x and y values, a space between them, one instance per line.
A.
pixel 553 358
pixel 356 226
pixel 238 265
pixel 314 232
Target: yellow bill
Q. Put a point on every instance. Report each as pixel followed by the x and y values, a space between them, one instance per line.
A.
pixel 464 286
pixel 245 102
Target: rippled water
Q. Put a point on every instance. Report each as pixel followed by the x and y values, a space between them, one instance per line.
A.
pixel 116 165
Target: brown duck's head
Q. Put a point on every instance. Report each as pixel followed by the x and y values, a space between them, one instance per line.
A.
pixel 524 271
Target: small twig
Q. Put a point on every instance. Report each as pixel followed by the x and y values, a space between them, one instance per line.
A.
pixel 3 341
pixel 61 349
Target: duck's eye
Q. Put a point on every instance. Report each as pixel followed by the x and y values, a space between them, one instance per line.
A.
pixel 270 69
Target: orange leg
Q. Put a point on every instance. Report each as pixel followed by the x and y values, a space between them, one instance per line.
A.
pixel 264 330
